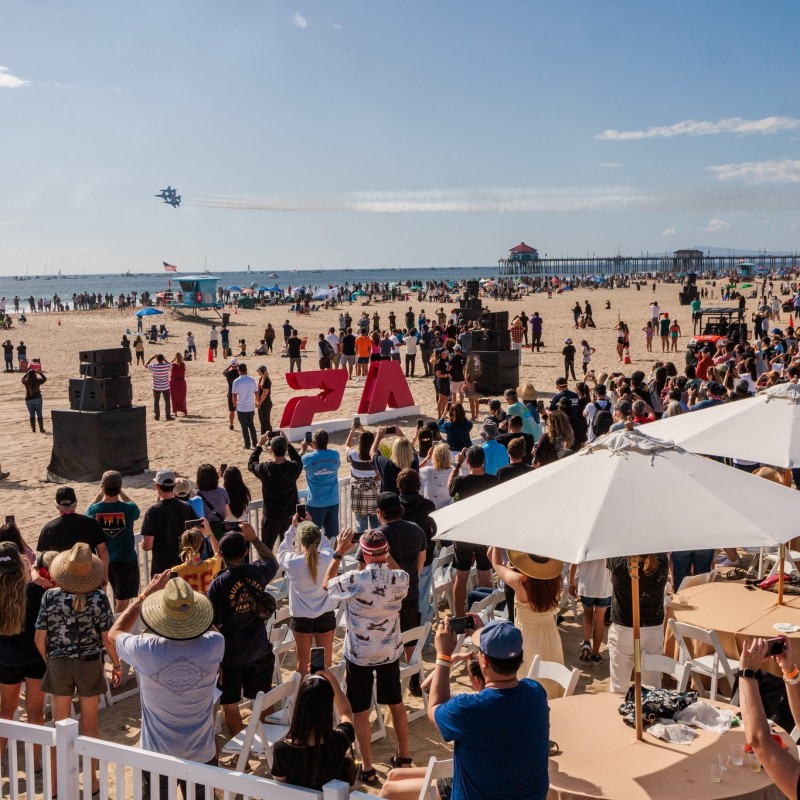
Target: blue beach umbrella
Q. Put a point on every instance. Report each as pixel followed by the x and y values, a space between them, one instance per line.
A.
pixel 261 289
pixel 274 289
pixel 148 311
pixel 233 288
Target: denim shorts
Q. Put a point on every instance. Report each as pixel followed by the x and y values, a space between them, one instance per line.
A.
pixel 600 602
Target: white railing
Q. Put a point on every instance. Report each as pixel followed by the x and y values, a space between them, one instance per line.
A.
pixel 121 771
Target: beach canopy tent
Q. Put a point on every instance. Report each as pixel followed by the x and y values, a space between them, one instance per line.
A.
pixel 359 293
pixel 274 289
pixel 147 311
pixel 261 289
pixel 233 288
pixel 326 294
pixel 624 478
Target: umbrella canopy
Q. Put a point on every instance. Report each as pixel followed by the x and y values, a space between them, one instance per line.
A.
pixel 746 286
pixel 765 428
pixel 233 288
pixel 261 289
pixel 149 310
pixel 625 479
pixel 274 289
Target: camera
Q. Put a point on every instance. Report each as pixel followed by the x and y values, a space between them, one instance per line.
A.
pixel 390 429
pixel 356 422
pixel 234 525
pixel 193 523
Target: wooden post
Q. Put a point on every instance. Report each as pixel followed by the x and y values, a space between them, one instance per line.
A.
pixel 633 569
pixel 787 481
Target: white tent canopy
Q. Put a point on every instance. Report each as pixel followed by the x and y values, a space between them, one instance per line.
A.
pixel 765 428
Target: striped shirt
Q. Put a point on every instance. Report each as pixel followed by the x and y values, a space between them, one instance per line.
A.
pixel 160 372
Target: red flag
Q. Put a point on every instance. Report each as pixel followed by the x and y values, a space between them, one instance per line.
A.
pixel 169 267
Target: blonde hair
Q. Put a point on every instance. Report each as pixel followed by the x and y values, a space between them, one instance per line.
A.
pixel 178 358
pixel 440 456
pixel 312 559
pixel 191 545
pixel 402 453
pixel 558 426
pixel 13 601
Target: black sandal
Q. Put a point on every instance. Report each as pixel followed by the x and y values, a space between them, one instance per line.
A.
pixel 554 748
pixel 398 762
pixel 368 776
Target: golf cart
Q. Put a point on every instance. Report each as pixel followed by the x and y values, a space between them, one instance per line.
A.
pixel 715 326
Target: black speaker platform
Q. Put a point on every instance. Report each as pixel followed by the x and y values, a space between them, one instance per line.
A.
pixel 87 443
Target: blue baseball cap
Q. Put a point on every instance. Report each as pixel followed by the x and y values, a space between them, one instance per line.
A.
pixel 500 639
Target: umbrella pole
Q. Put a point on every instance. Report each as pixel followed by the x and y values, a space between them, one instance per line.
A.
pixel 633 569
pixel 787 481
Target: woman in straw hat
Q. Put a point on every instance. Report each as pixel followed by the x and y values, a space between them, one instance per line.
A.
pixel 19 659
pixel 537 583
pixel 71 632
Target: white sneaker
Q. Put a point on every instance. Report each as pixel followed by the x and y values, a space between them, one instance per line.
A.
pixel 728 563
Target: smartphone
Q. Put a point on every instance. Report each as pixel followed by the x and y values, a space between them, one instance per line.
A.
pixel 10 519
pixel 301 510
pixel 461 624
pixel 223 467
pixel 775 646
pixel 232 526
pixel 390 429
pixel 317 659
pixel 420 423
pixel 192 523
pixel 559 443
pixel 308 437
pixel 356 422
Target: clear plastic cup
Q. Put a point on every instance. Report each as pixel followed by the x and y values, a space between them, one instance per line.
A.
pixel 753 762
pixel 724 761
pixel 737 754
pixel 716 773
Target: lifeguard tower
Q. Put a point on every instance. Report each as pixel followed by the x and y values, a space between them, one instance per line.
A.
pixel 197 293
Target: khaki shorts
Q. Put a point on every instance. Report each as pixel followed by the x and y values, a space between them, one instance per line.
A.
pixel 66 675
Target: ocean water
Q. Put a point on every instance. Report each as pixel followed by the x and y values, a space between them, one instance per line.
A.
pixel 65 286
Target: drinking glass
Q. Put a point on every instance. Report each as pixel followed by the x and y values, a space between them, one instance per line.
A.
pixel 716 773
pixel 737 755
pixel 753 762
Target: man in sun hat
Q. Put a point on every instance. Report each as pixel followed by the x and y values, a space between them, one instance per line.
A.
pixel 507 723
pixel 177 659
pixel 373 596
pixel 185 490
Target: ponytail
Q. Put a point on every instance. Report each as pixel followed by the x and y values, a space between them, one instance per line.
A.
pixel 312 559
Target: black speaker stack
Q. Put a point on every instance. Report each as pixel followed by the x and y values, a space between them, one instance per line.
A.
pixel 491 340
pixel 496 371
pixel 106 384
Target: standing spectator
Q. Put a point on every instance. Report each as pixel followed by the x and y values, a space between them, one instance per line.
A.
pixel 278 485
pixel 517 332
pixel 457 364
pixel 348 357
pixel 363 346
pixel 322 476
pixel 178 634
pixel 536 332
pixel 33 380
pixel 238 493
pixel 569 359
pixel 213 340
pixel 441 381
pixel 216 503
pixel 324 352
pixel 138 347
pixel 177 385
pixel 194 569
pixel 305 555
pixel 225 341
pixel 587 351
pixel 425 349
pixel 373 598
pixel 410 342
pixel 231 373
pixel 434 476
pixel 160 374
pixel 191 345
pixel 591 581
pixel 164 523
pixel 115 513
pixel 264 400
pixel 456 428
pixel 333 340
pixel 402 457
pixel 516 430
pixel 22 354
pixel 293 346
pixel 494 454
pixel 288 330
pixel 269 337
pixel 674 335
pixel 71 632
pixel 8 355
pixel 365 482
pixel 248 662
pixel 577 312
pixel 243 391
pixel 663 332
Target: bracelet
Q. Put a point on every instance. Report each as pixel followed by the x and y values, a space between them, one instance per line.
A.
pixel 443 657
pixel 142 597
pixel 118 668
pixel 792 681
pixel 441 663
pixel 748 673
pixel 793 674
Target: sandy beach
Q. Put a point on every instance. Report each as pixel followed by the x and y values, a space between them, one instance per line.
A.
pixel 204 436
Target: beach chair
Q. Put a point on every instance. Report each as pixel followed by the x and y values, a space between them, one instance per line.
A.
pixel 436 769
pixel 565 677
pixel 716 665
pixel 415 666
pixel 770 560
pixel 697 580
pixel 680 673
pixel 261 737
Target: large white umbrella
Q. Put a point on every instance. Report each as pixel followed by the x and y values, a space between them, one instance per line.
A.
pixel 624 495
pixel 764 428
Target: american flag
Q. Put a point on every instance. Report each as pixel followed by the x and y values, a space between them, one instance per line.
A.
pixel 169 267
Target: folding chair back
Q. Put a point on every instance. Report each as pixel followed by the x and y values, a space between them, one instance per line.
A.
pixel 435 771
pixel 565 677
pixel 680 673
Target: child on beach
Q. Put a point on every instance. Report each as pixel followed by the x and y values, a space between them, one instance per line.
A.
pixel 649 331
pixel 587 351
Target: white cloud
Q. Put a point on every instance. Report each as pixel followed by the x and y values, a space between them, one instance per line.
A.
pixel 9 81
pixel 671 231
pixel 691 127
pixel 337 26
pixel 718 226
pixel 299 21
pixel 786 171
pixel 609 164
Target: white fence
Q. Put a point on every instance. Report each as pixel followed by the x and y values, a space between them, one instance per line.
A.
pixel 121 771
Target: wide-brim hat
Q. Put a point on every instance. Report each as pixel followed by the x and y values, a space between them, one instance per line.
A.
pixel 78 570
pixel 540 568
pixel 177 611
pixel 527 392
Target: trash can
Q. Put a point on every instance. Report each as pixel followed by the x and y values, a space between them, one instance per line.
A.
pixel 226 319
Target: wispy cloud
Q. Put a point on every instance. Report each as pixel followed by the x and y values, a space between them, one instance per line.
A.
pixel 9 81
pixel 786 171
pixel 299 21
pixel 718 226
pixel 57 85
pixel 337 26
pixel 609 164
pixel 671 231
pixel 691 127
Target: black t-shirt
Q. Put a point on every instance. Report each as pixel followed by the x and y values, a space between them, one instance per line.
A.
pixel 467 485
pixel 406 541
pixel 457 367
pixel 505 438
pixel 62 532
pixel 442 367
pixel 389 471
pixel 573 402
pixel 287 330
pixel 278 481
pixel 165 523
pixel 510 471
pixel 245 634
pixel 19 650
pixel 295 763
pixel 293 347
pixel 418 509
pixel 348 345
pixel 651 592
pixel 231 374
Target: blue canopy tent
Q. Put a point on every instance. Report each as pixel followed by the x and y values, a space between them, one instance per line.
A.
pixel 233 288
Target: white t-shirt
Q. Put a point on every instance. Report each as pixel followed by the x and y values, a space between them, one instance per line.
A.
pixel 333 341
pixel 594 579
pixel 411 345
pixel 395 344
pixel 434 486
pixel 244 387
pixel 307 598
pixel 590 411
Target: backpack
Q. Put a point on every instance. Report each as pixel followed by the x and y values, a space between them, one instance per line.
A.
pixel 327 348
pixel 602 419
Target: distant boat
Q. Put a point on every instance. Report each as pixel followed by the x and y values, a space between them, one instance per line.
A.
pixel 272 274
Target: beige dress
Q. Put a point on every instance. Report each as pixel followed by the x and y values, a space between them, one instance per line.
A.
pixel 540 637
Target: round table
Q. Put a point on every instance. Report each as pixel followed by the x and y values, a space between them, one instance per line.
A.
pixel 736 613
pixel 600 758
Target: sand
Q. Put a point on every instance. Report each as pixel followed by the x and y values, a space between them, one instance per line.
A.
pixel 204 435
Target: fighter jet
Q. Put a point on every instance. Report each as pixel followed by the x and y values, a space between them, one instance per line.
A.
pixel 170 196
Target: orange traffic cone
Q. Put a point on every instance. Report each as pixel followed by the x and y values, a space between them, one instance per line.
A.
pixel 210 354
pixel 626 355
pixel 59 321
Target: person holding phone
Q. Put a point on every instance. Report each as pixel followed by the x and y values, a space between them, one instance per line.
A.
pixel 305 555
pixel 365 482
pixel 196 571
pixel 322 476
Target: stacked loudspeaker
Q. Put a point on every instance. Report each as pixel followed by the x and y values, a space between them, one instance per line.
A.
pixel 496 365
pixel 102 429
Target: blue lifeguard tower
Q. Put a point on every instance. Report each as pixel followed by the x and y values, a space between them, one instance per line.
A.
pixel 747 269
pixel 197 292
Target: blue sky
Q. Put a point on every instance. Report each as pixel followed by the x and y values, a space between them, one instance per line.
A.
pixel 365 134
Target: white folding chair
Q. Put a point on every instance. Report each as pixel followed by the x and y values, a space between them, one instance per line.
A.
pixel 716 665
pixel 697 580
pixel 566 597
pixel 680 673
pixel 770 559
pixel 415 665
pixel 259 737
pixel 565 677
pixel 436 769
pixel 443 580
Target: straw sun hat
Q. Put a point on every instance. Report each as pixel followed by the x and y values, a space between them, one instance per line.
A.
pixel 538 567
pixel 527 392
pixel 177 612
pixel 77 571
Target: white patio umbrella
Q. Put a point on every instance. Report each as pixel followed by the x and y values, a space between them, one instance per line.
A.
pixel 624 495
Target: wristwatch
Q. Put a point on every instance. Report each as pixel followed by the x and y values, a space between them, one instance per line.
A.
pixel 337 556
pixel 748 673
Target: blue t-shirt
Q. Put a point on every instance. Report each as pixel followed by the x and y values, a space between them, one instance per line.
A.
pixel 508 727
pixel 496 456
pixel 322 477
pixel 116 521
